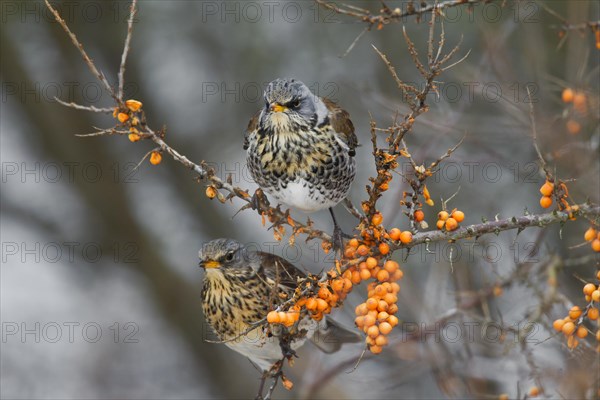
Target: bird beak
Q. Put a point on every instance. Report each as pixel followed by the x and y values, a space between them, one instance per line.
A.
pixel 278 107
pixel 210 264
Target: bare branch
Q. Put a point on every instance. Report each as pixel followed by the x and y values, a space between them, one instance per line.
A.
pixel 133 11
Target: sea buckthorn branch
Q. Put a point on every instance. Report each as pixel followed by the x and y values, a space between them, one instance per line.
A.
pixel 387 160
pixel 132 122
pixel 497 226
pixel 387 15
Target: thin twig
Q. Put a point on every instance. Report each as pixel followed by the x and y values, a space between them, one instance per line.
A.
pixel 133 11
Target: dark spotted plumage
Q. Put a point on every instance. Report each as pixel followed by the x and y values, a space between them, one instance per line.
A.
pixel 241 287
pixel 300 148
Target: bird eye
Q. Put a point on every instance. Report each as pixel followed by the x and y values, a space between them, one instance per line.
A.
pixel 229 256
pixel 294 103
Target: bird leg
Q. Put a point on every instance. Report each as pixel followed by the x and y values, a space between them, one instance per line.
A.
pixel 338 235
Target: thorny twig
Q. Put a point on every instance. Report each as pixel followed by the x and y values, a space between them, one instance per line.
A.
pixel 387 15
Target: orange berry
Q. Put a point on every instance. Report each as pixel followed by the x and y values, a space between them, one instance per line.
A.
pixel 122 117
pixel 406 237
pixel 322 305
pixel 365 274
pixel 383 275
pixel 581 332
pixel 349 252
pixel 392 320
pixel 568 328
pixel 443 215
pixel 356 279
pixel 503 396
pixel 324 293
pixel 392 309
pixel 545 201
pixel 573 127
pixel 547 188
pixel 390 298
pixel 596 245
pixel 397 275
pixel 382 306
pixel 337 285
pixel 211 192
pixel 394 233
pixel 380 291
pixel 534 391
pixel 459 216
pixel 348 283
pixel 311 304
pixel 273 317
pixel 369 320
pixel 359 321
pixel 419 215
pixel 377 219
pixel 391 266
pixel 155 158
pixel 574 312
pixel 558 324
pixel 373 331
pixel 385 328
pixel 381 340
pixel 395 287
pixel 451 224
pixel 596 296
pixel 134 137
pixel 362 250
pixel 376 349
pixel 590 234
pixel 317 317
pixel 567 95
pixel 440 224
pixel 382 316
pixel 353 243
pixel 133 105
pixel 588 289
pixel 371 262
pixel 593 314
pixel 598 275
pixel 361 309
pixel 371 303
pixel 579 101
pixel 384 248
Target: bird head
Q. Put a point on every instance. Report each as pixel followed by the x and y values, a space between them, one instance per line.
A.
pixel 290 106
pixel 220 253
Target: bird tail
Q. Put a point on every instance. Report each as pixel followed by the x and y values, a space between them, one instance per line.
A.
pixel 331 335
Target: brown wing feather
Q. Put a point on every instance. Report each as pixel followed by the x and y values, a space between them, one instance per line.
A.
pixel 280 270
pixel 341 123
pixel 252 126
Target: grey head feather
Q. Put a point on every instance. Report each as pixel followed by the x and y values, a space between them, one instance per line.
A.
pixel 298 98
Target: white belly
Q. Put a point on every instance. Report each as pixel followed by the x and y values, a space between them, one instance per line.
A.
pixel 298 195
pixel 257 343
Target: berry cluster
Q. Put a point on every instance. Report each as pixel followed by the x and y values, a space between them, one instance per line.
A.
pixel 558 191
pixel 572 326
pixel 580 105
pixel 593 236
pixel 130 116
pixel 450 221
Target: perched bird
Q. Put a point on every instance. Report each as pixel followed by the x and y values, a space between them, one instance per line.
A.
pixel 300 148
pixel 241 286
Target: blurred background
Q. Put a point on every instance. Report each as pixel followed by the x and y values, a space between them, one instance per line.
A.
pixel 100 289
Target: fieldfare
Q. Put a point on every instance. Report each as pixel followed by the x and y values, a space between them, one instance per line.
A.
pixel 241 286
pixel 300 148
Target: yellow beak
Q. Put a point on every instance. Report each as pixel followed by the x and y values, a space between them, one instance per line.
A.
pixel 278 107
pixel 212 264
